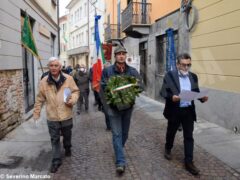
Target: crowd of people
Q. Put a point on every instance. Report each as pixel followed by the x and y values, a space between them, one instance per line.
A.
pixel 78 80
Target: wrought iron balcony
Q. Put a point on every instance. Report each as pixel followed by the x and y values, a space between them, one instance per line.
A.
pixel 136 14
pixel 113 32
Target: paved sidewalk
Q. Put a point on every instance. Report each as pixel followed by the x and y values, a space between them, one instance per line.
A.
pixel 93 157
pixel 218 141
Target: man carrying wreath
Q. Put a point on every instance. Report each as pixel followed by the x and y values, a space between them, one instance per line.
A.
pixel 119 117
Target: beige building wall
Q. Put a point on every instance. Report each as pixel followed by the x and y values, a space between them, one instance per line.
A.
pixel 49 7
pixel 215 44
pixel 64 38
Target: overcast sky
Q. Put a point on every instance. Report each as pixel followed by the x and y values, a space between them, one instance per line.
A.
pixel 62 5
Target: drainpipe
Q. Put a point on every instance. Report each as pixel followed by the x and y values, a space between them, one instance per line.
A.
pixel 58 28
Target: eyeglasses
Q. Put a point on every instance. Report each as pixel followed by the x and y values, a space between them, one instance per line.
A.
pixel 185 65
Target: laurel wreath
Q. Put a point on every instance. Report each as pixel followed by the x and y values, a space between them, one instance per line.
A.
pixel 122 90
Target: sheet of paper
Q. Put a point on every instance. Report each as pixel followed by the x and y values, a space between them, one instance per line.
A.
pixel 202 93
pixel 66 94
pixel 188 95
pixel 191 95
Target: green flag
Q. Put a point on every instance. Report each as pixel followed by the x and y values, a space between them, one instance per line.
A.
pixel 27 38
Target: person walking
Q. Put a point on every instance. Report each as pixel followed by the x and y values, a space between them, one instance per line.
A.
pixel 58 109
pixel 119 119
pixel 178 111
pixel 81 78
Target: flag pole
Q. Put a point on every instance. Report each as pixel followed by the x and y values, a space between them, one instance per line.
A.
pixel 41 65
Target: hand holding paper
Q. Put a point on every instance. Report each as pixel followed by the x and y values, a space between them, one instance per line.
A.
pixel 66 94
pixel 191 95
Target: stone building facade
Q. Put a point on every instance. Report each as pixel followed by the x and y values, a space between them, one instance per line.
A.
pixel 11 100
pixel 19 70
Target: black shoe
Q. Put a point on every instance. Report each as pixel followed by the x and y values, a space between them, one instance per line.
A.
pixel 167 154
pixel 120 169
pixel 78 112
pixel 54 168
pixel 190 167
pixel 68 152
pixel 108 129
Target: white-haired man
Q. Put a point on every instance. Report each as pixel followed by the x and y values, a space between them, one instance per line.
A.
pixel 59 112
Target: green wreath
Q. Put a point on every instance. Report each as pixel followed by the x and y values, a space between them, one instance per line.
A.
pixel 121 91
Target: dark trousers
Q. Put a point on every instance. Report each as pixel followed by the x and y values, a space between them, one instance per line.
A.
pixel 83 98
pixel 98 100
pixel 107 120
pixel 184 117
pixel 54 128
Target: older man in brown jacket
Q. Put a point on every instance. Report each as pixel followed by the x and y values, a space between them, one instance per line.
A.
pixel 58 109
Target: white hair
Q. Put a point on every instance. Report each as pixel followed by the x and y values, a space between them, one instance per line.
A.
pixel 51 59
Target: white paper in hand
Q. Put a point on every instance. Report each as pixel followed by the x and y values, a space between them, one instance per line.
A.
pixel 202 93
pixel 67 93
pixel 188 95
pixel 191 95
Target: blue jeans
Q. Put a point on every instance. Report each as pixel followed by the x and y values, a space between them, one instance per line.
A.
pixel 120 122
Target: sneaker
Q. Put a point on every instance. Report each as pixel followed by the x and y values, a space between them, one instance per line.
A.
pixel 68 152
pixel 190 167
pixel 167 154
pixel 54 168
pixel 120 169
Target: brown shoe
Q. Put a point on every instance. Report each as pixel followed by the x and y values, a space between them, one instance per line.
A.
pixel 190 167
pixel 167 154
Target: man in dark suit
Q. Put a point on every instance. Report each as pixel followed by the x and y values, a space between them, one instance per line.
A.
pixel 178 111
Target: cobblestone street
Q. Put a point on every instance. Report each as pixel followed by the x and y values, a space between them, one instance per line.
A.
pixel 93 157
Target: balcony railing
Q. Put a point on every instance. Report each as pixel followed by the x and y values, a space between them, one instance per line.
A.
pixel 113 32
pixel 136 13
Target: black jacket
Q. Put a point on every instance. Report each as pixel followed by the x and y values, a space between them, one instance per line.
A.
pixel 170 87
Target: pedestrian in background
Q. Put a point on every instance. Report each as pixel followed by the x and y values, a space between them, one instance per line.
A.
pixel 59 112
pixel 103 101
pixel 81 78
pixel 177 111
pixel 95 92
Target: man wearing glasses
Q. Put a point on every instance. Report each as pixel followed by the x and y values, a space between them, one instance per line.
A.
pixel 178 111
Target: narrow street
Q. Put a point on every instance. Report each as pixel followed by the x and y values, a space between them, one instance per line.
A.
pixel 93 153
pixel 27 150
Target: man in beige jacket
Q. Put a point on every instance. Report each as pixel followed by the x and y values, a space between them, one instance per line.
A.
pixel 59 111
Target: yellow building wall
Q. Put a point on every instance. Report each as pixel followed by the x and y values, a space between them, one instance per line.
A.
pixel 161 8
pixel 111 9
pixel 215 44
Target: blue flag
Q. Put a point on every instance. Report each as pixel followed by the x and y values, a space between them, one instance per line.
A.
pixel 171 55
